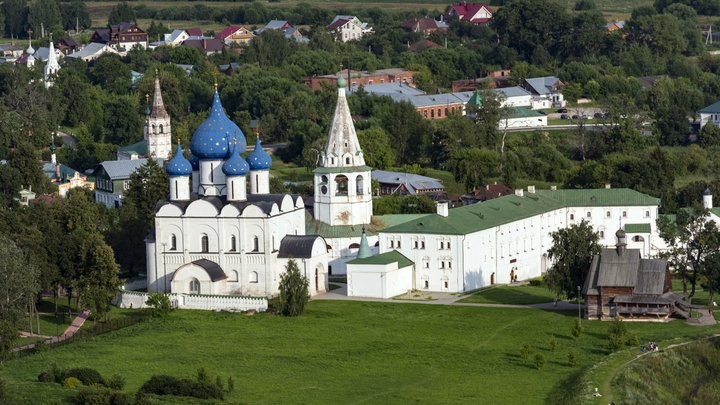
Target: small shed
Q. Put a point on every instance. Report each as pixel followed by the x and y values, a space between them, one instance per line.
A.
pixel 382 276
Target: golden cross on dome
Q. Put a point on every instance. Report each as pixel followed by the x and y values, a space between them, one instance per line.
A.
pixel 147 97
pixel 156 72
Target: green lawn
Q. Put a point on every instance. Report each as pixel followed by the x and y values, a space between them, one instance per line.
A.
pixel 393 354
pixel 520 295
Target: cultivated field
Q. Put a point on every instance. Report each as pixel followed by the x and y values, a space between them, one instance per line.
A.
pixel 349 353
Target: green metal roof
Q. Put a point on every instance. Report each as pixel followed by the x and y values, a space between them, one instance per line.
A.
pixel 712 108
pixel 600 197
pixel 715 210
pixel 637 228
pixel 315 227
pixel 477 217
pixel 139 148
pixel 385 258
pixel 364 251
pixel 521 112
pixel 510 208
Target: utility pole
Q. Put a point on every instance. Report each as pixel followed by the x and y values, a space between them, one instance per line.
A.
pixel 77 25
pixel 42 30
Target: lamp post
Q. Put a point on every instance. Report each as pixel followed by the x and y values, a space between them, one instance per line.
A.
pixel 578 298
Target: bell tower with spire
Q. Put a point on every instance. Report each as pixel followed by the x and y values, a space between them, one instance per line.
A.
pixel 52 66
pixel 343 194
pixel 157 127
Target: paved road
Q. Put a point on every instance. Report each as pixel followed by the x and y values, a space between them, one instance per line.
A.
pixel 74 327
pixel 67 139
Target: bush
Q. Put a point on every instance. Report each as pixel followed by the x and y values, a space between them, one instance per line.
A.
pixel 160 304
pixel 616 334
pixel 201 375
pixel 230 384
pixel 553 343
pixel 50 374
pixel 41 347
pixel 571 359
pixel 168 385
pixel 576 329
pixel 537 282
pixel 88 376
pixel 632 339
pixel 141 398
pixel 525 351
pixel 101 396
pixel 116 382
pixel 615 342
pixel 72 382
pixel 539 361
pixel 219 383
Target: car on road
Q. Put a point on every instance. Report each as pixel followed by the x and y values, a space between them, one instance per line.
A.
pixel 564 117
pixel 543 112
pixel 585 117
pixel 562 110
pixel 600 115
pixel 575 116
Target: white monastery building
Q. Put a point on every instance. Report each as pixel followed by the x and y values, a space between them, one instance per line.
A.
pixel 226 234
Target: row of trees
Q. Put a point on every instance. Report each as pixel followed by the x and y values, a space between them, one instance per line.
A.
pixel 42 15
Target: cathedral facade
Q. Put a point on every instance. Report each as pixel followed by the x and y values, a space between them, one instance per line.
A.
pixel 226 234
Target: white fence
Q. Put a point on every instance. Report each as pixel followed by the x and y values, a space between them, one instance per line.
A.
pixel 131 299
pixel 136 283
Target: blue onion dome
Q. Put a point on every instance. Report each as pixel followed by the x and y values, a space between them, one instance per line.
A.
pixel 212 138
pixel 178 165
pixel 235 166
pixel 259 159
pixel 195 162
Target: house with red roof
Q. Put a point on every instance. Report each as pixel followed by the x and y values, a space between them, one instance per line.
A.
pixel 476 13
pixel 424 25
pixel 235 34
pixel 194 32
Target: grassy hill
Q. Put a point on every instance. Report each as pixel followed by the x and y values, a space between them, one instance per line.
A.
pixel 347 353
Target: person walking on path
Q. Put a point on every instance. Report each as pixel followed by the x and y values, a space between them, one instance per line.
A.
pixel 555 300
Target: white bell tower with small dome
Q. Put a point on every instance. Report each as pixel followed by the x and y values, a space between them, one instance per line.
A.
pixel 158 134
pixel 343 194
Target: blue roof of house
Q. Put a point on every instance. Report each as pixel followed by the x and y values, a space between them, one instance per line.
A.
pixel 542 85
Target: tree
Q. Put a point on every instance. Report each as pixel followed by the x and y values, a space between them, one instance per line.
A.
pixel 572 251
pixel 472 167
pixel 76 15
pixel 100 282
pixel 376 148
pixel 111 74
pixel 15 12
pixel 293 290
pixel 26 161
pixel 44 14
pixel 148 185
pixel 18 290
pixel 693 240
pixel 709 135
pixel 121 12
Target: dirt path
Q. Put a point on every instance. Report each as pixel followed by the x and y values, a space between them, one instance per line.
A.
pixel 76 324
pixel 606 385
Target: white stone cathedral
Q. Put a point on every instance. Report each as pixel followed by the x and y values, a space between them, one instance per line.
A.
pixel 228 235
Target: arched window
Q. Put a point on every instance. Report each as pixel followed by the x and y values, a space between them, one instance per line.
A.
pixel 341 185
pixel 439 112
pixel 253 277
pixel 161 128
pixel 256 244
pixel 273 242
pixel 153 128
pixel 194 286
pixel 173 243
pixel 204 244
pixel 359 184
pixel 233 244
pixel 432 113
pixel 607 214
pixel 233 276
pixel 347 160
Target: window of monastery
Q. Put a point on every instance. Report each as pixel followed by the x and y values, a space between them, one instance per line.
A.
pixel 589 214
pixel 173 242
pixel 422 244
pixel 233 244
pixel 256 244
pixel 204 244
pixel 341 185
pixel 253 277
pixel 572 217
pixel 624 214
pixel 647 214
pixel 359 185
pixel 194 286
pixel 607 214
pixel 602 234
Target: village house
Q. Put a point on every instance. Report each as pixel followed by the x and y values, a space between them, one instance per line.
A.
pixel 710 113
pixel 546 92
pixel 112 179
pixel 10 52
pixel 92 51
pixel 614 26
pixel 208 46
pixel 621 283
pixel 406 183
pixel 235 35
pixel 122 36
pixel 426 26
pixel 363 78
pixel 287 28
pixel 68 45
pixel 478 14
pixel 346 28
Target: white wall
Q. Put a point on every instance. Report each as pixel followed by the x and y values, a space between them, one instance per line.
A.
pixel 378 281
pixel 129 299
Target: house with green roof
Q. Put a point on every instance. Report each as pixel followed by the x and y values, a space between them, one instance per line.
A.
pixel 482 244
pixel 381 276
